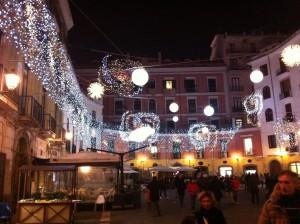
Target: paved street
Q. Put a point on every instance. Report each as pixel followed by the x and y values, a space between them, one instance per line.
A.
pixel 173 214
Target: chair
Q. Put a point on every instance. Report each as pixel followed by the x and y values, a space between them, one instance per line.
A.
pixel 100 201
pixel 5 212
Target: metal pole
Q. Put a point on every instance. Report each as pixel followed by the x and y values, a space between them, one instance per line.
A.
pixel 122 172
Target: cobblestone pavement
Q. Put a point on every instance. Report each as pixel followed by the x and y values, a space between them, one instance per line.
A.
pixel 244 212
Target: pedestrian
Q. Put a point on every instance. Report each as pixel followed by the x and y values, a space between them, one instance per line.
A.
pixel 154 195
pixel 189 220
pixel 163 187
pixel 253 183
pixel 208 212
pixel 283 206
pixel 180 186
pixel 235 184
pixel 193 190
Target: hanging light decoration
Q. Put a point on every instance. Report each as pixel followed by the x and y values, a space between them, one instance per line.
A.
pixel 175 119
pixel 291 55
pixel 140 77
pixel 225 136
pixel 208 111
pixel 139 127
pixel 253 105
pixel 174 107
pixel 95 90
pixel 286 133
pixel 256 76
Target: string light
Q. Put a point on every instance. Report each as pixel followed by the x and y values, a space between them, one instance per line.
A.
pixel 285 133
pixel 95 90
pixel 30 26
pixel 253 105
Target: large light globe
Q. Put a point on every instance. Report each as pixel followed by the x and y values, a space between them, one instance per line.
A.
pixel 256 76
pixel 139 77
pixel 173 107
pixel 209 111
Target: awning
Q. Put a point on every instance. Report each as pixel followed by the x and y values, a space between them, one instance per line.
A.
pixel 162 169
pixel 183 168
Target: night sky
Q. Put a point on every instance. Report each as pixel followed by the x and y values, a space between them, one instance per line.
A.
pixel 179 29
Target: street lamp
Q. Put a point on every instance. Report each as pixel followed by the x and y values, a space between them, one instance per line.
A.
pixel 12 80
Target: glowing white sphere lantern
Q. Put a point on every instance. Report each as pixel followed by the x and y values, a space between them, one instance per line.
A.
pixel 175 119
pixel 291 55
pixel 139 77
pixel 208 111
pixel 173 107
pixel 256 76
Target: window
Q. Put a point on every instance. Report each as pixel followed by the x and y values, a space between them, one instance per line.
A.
pixel 215 123
pixel 238 123
pixel 168 102
pixel 252 47
pixel 137 105
pixel 237 105
pixel 235 84
pixel 295 167
pixel 269 115
pixel 214 103
pixel 231 47
pixel 212 85
pixel 264 69
pixel 93 142
pixel 192 105
pixel 233 62
pixel 111 145
pixel 151 84
pixel 192 121
pixel 119 107
pixel 131 146
pixel 266 92
pixel 176 150
pixel 200 154
pixel 154 152
pixel 225 171
pixel 289 113
pixel 285 88
pixel 169 84
pixel 248 147
pixel 283 67
pixel 189 85
pixel 170 126
pixel 272 141
pixel 94 115
pixel 152 106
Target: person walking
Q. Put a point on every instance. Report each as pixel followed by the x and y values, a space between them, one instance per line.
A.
pixel 180 186
pixel 283 206
pixel 253 184
pixel 193 190
pixel 235 184
pixel 208 212
pixel 154 195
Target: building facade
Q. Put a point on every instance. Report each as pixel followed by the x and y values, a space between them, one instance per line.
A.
pixel 280 93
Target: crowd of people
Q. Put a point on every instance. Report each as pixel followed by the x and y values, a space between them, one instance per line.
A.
pixel 208 191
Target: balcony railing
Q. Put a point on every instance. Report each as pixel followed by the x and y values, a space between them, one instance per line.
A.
pixel 289 118
pixel 285 94
pixel 237 109
pixel 30 107
pixel 169 91
pixel 236 88
pixel 49 123
pixel 291 149
pixel 190 90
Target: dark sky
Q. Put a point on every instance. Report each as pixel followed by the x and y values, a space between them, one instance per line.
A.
pixel 179 29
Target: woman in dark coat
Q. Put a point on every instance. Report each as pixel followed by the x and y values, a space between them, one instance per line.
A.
pixel 154 194
pixel 208 213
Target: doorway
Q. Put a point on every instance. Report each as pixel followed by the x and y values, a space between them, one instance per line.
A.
pixel 275 167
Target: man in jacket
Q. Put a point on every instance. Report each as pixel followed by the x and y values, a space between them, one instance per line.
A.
pixel 283 206
pixel 154 195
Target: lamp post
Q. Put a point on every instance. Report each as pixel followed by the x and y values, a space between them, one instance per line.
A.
pixel 12 80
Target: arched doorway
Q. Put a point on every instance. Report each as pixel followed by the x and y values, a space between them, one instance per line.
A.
pixel 250 169
pixel 275 167
pixel 21 158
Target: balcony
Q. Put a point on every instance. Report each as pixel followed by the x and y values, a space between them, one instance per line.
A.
pixel 170 91
pixel 237 109
pixel 30 111
pixel 49 126
pixel 289 118
pixel 236 88
pixel 285 94
pixel 190 90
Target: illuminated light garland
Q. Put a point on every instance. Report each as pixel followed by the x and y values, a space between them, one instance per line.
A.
pixel 29 25
pixel 225 136
pixel 291 55
pixel 95 90
pixel 116 76
pixel 286 133
pixel 253 105
pixel 131 122
pixel 202 136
